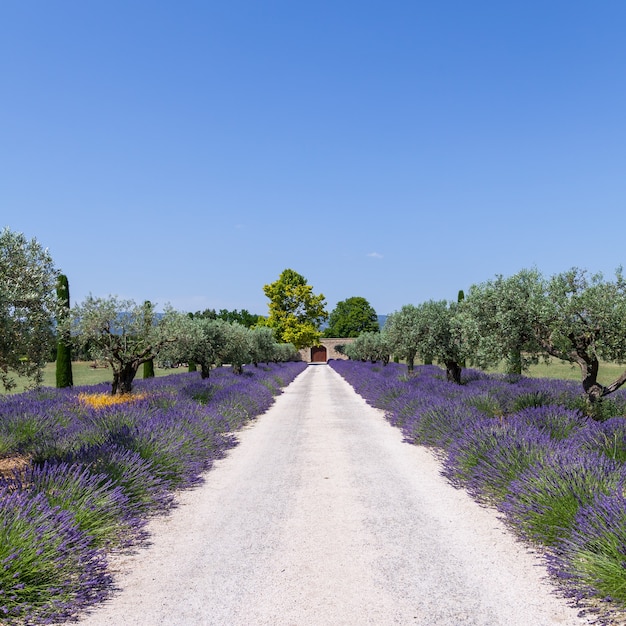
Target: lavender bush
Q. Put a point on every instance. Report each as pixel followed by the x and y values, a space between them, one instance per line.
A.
pixel 525 446
pixel 96 473
pixel 543 503
pixel 486 457
pixel 48 566
pixel 592 559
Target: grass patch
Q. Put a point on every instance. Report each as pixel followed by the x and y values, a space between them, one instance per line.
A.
pixel 84 373
pixel 562 370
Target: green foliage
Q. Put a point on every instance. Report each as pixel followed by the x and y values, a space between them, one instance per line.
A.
pixel 262 345
pixel 295 312
pixel 573 316
pixel 429 330
pixel 243 317
pixel 487 404
pixel 237 347
pixel 28 304
pixel 440 336
pixel 64 349
pixel 401 332
pixel 368 346
pixel 352 317
pixel 123 334
pixel 530 399
pixel 549 495
pixel 498 321
pixel 201 341
pixel 148 368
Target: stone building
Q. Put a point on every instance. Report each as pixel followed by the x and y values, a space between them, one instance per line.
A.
pixel 325 351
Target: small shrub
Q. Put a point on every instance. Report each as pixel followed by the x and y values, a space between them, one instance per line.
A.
pixel 557 421
pixel 545 500
pixel 99 507
pixel 486 404
pixel 488 457
pixel 592 560
pixel 608 438
pixel 49 567
pixel 531 399
pixel 146 493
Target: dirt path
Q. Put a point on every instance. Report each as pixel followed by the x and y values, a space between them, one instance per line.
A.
pixel 322 515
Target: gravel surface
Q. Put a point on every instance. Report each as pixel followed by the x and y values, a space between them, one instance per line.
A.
pixel 323 515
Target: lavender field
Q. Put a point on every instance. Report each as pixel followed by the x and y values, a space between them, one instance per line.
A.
pixel 88 474
pixel 525 447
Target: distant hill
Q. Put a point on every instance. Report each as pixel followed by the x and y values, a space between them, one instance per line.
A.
pixel 381 320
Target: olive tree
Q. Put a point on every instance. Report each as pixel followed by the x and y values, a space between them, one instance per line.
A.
pixel 262 345
pixel 573 316
pixel 429 330
pixel 28 306
pixel 583 321
pixel 284 352
pixel 116 331
pixel 368 346
pixel 439 336
pixel 499 320
pixel 401 333
pixel 202 340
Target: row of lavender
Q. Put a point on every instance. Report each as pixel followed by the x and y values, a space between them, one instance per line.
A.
pixel 92 476
pixel 523 446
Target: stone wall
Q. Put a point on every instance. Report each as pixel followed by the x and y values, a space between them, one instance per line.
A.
pixel 329 344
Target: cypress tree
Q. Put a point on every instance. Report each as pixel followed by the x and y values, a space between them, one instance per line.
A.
pixel 64 376
pixel 148 369
pixel 148 366
pixel 192 364
pixel 460 297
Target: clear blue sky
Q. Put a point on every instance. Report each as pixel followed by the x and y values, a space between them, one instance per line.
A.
pixel 188 152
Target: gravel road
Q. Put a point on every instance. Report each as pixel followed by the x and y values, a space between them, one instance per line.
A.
pixel 323 516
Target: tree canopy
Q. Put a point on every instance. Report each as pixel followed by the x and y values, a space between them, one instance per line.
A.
pixel 573 316
pixel 401 331
pixel 351 317
pixel 429 330
pixel 499 319
pixel 124 334
pixel 28 306
pixel 243 316
pixel 295 312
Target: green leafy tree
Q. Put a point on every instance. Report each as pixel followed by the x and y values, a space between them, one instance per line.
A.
pixel 499 320
pixel 202 341
pixel 295 312
pixel 583 321
pixel 573 316
pixel 63 372
pixel 368 346
pixel 243 317
pixel 238 346
pixel 401 332
pixel 430 331
pixel 351 317
pixel 28 305
pixel 440 337
pixel 262 345
pixel 284 352
pixel 116 331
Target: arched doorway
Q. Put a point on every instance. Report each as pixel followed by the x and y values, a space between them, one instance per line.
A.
pixel 318 354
